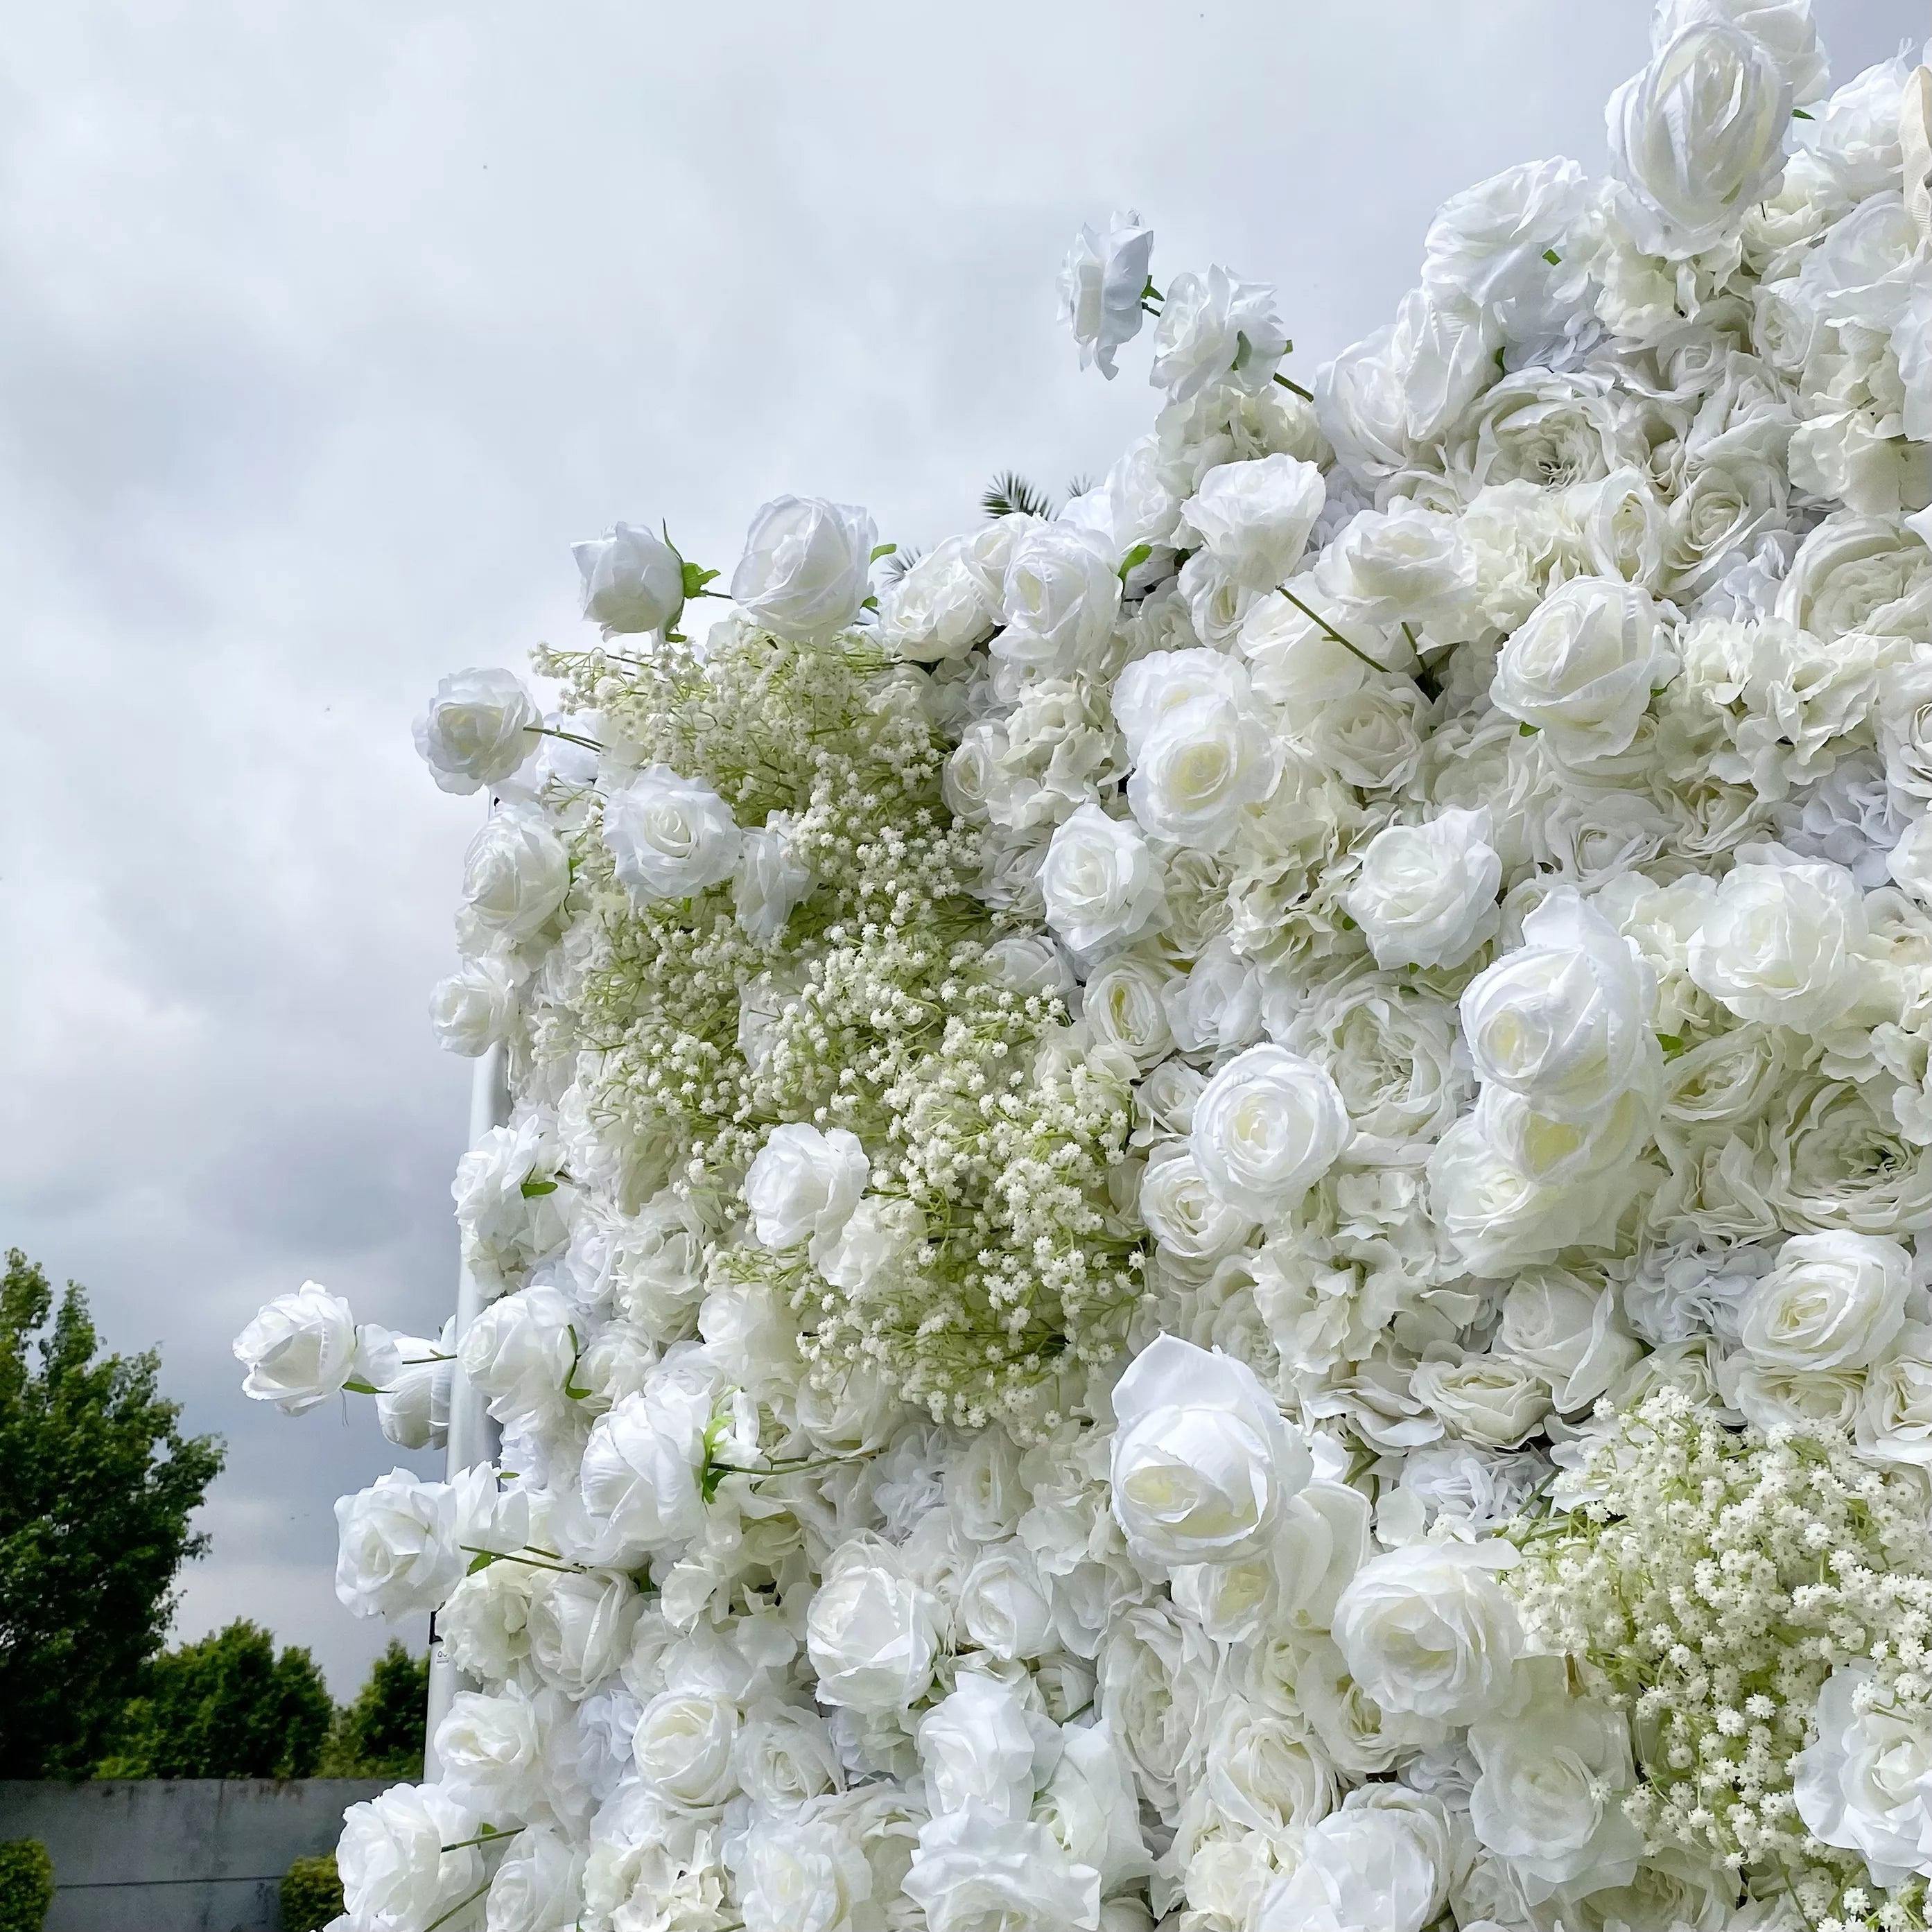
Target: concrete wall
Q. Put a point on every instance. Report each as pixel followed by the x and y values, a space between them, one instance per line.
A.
pixel 160 1855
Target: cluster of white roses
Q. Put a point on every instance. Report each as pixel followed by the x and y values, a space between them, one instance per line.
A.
pixel 1100 1114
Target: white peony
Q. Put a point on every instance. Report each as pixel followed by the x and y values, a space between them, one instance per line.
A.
pixel 1267 1127
pixel 805 566
pixel 480 728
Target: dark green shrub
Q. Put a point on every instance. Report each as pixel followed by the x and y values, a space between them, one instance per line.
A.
pixel 381 1734
pixel 311 1893
pixel 27 1884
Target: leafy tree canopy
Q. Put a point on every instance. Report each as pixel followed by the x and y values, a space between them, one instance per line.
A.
pixel 381 1734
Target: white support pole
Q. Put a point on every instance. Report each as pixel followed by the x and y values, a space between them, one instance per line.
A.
pixel 473 1436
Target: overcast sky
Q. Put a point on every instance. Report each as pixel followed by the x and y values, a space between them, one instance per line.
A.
pixel 327 327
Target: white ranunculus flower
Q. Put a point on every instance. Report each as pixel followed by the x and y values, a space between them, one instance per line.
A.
pixel 805 566
pixel 632 580
pixel 1563 1021
pixel 1581 669
pixel 873 1634
pixel 1060 595
pixel 300 1349
pixel 771 879
pixel 937 611
pixel 805 1183
pixel 1099 881
pixel 1213 328
pixel 580 1626
pixel 1255 517
pixel 1101 284
pixel 1367 1866
pixel 1426 894
pixel 515 873
pixel 478 730
pixel 1699 136
pixel 977 1747
pixel 670 836
pixel 1428 1629
pixel 475 1007
pixel 397 1551
pixel 1865 1784
pixel 1202 1460
pixel 1835 1300
pixel 1781 943
pixel 1268 1126
pixel 682 1749
pixel 396 1875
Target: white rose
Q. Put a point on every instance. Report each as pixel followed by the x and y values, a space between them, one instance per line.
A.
pixel 1833 1301
pixel 1785 28
pixel 976 1870
pixel 482 1626
pixel 395 1873
pixel 1698 137
pixel 1255 517
pixel 1426 894
pixel 1189 1221
pixel 539 1886
pixel 1202 1461
pixel 1099 881
pixel 1563 1021
pixel 478 730
pixel 301 1349
pixel 397 1551
pixel 508 1199
pixel 475 1007
pixel 1486 1398
pixel 1488 247
pixel 1090 1807
pixel 1569 1154
pixel 633 580
pixel 1872 575
pixel 1865 1785
pixel 771 879
pixel 412 1403
pixel 1552 1775
pixel 1403 564
pixel 641 1470
pixel 1217 1008
pixel 1125 1006
pixel 1267 1127
pixel 936 611
pixel 515 873
pixel 1581 668
pixel 805 566
pixel 580 1626
pixel 1369 1865
pixel 1429 1630
pixel 669 837
pixel 682 1749
pixel 872 1633
pixel 1005 1605
pixel 1213 328
pixel 1101 284
pixel 519 1351
pixel 1781 943
pixel 1198 771
pixel 1895 1419
pixel 803 1875
pixel 1565 1329
pixel 784 1757
pixel 490 1749
pixel 1157 1674
pixel 804 1183
pixel 876 1238
pixel 1152 688
pixel 1060 596
pixel 977 1747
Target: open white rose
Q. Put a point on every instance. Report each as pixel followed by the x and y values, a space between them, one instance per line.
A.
pixel 872 1633
pixel 1199 769
pixel 1099 881
pixel 670 836
pixel 633 580
pixel 1699 136
pixel 299 1350
pixel 1213 328
pixel 1425 894
pixel 1190 1222
pixel 1255 517
pixel 515 873
pixel 1202 1460
pixel 1428 1629
pixel 519 1351
pixel 395 1872
pixel 771 879
pixel 1101 284
pixel 475 1007
pixel 784 1757
pixel 804 1875
pixel 1060 595
pixel 682 1749
pixel 1005 1607
pixel 1267 1127
pixel 539 1885
pixel 975 1870
pixel 640 1472
pixel 1865 1784
pixel 1403 565
pixel 1782 944
pixel 1488 247
pixel 398 1547
pixel 1581 668
pixel 580 1626
pixel 805 566
pixel 977 1747
pixel 937 611
pixel 1894 1420
pixel 490 1749
pixel 1368 1865
pixel 478 730
pixel 1833 1301
pixel 805 1183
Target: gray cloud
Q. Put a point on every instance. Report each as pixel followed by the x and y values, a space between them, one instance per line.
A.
pixel 328 329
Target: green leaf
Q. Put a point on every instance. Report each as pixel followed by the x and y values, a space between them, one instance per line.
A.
pixel 870 604
pixel 696 577
pixel 481 1560
pixel 1010 494
pixel 1526 730
pixel 1550 255
pixel 531 1189
pixel 881 550
pixel 1134 559
pixel 1798 114
pixel 1243 349
pixel 355 1385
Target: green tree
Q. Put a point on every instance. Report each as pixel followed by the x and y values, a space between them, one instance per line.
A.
pixel 226 1706
pixel 98 1486
pixel 381 1734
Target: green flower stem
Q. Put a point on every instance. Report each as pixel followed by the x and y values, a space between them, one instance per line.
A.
pixel 1316 617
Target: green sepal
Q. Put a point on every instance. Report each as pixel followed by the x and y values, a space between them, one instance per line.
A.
pixel 1525 729
pixel 1243 349
pixel 481 1560
pixel 1550 255
pixel 531 1189
pixel 355 1385
pixel 881 550
pixel 870 604
pixel 1798 114
pixel 1134 559
pixel 696 577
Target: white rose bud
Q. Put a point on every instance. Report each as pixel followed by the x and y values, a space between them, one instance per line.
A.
pixel 1099 881
pixel 1255 517
pixel 632 580
pixel 872 1633
pixel 670 836
pixel 1698 137
pixel 1202 1460
pixel 1266 1128
pixel 1835 1300
pixel 299 1349
pixel 1428 1629
pixel 805 566
pixel 478 730
pixel 804 1183
pixel 1782 943
pixel 1101 284
pixel 412 1404
pixel 1425 894
pixel 1581 667
pixel 515 873
pixel 475 1007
